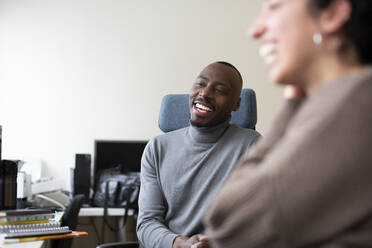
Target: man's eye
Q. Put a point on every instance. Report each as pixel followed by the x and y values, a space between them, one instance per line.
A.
pixel 220 90
pixel 199 84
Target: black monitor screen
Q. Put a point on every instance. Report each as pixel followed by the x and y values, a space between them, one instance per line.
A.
pixel 110 153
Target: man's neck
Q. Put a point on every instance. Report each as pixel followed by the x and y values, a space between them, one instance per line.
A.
pixel 210 134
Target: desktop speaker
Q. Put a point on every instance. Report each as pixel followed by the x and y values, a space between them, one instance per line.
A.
pixel 81 176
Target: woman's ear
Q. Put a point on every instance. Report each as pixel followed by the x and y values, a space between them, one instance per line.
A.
pixel 332 18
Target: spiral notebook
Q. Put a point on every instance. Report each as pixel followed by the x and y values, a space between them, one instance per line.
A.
pixel 32 230
pixel 73 234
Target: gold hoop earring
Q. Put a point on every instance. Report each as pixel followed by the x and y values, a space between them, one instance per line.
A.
pixel 317 38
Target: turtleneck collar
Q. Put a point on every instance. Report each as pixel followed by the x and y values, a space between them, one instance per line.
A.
pixel 207 134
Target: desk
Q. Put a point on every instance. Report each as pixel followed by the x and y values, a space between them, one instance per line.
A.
pixel 91 220
pixel 34 244
pixel 84 212
pixel 96 211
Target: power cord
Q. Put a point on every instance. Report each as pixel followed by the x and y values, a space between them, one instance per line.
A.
pixel 48 199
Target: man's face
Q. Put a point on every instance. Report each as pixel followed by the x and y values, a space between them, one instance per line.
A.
pixel 214 95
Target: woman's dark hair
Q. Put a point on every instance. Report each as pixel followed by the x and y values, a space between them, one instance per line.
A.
pixel 358 28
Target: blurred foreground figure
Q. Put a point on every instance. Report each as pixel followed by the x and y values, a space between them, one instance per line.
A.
pixel 308 182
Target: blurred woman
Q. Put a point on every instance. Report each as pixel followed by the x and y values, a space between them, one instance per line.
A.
pixel 308 182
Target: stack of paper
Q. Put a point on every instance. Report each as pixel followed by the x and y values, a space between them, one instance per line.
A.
pixel 25 225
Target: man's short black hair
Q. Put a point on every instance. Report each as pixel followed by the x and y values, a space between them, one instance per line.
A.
pixel 231 66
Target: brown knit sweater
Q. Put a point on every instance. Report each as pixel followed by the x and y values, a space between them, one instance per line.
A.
pixel 308 182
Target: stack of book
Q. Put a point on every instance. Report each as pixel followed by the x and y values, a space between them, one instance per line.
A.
pixel 26 216
pixel 23 225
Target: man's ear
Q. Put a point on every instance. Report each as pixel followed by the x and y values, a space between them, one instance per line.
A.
pixel 332 18
pixel 237 105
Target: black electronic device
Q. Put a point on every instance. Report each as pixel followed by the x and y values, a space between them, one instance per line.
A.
pixel 81 175
pixel 122 154
pixel 110 153
pixel 8 184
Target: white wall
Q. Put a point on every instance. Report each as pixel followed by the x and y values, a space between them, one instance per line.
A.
pixel 72 71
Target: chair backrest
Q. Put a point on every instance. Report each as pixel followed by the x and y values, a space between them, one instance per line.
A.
pixel 175 112
pixel 70 219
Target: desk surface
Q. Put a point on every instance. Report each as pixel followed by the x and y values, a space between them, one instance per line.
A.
pixel 33 244
pixel 99 211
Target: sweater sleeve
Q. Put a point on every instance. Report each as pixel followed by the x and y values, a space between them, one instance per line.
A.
pixel 305 187
pixel 151 230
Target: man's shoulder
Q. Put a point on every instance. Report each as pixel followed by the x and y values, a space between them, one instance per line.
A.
pixel 235 130
pixel 167 138
pixel 238 136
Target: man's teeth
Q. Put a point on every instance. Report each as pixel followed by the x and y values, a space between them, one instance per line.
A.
pixel 268 52
pixel 202 107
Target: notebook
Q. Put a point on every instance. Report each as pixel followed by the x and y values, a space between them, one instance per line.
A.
pixel 26 219
pixel 24 212
pixel 32 230
pixel 11 241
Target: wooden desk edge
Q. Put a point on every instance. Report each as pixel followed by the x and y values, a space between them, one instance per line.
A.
pixel 96 211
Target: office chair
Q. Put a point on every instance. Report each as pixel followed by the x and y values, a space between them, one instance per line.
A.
pixel 175 114
pixel 120 245
pixel 70 219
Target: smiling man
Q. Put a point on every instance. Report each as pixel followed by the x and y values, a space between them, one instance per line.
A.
pixel 215 93
pixel 182 170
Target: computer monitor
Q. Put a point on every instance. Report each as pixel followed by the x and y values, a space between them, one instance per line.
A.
pixel 110 153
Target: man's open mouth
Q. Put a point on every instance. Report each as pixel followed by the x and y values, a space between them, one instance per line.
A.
pixel 200 107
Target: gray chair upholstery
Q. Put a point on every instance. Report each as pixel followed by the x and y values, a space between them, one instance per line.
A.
pixel 175 112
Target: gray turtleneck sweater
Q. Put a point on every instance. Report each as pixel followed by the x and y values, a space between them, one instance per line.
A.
pixel 180 173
